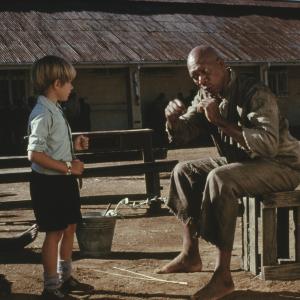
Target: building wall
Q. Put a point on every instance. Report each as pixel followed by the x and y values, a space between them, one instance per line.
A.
pixel 160 85
pixel 106 91
pixel 291 104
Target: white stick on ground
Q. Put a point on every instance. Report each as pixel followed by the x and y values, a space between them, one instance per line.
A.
pixel 150 277
pixel 140 278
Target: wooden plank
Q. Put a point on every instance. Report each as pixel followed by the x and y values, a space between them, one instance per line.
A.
pixel 269 238
pixel 100 171
pixel 107 155
pixel 14 162
pixel 245 235
pixel 99 134
pixel 282 199
pixel 253 235
pixel 151 178
pixel 281 272
pixel 84 200
pixel 283 250
pixel 129 169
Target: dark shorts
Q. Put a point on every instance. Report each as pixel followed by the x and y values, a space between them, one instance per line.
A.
pixel 55 201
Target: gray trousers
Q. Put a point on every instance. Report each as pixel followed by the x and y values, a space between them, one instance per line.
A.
pixel 206 192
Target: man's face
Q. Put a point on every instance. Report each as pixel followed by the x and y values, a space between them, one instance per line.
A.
pixel 208 73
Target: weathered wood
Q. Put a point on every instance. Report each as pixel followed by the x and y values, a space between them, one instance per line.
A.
pixel 282 199
pixel 253 235
pixel 245 235
pixel 151 178
pixel 283 250
pixel 22 175
pixel 10 162
pixel 281 272
pixel 129 169
pixel 273 268
pixel 269 238
pixel 297 233
pixel 84 200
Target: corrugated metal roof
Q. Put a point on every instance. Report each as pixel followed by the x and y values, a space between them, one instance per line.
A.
pixel 266 3
pixel 147 36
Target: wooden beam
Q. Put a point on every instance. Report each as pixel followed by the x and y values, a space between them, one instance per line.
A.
pixel 253 235
pixel 99 171
pixel 281 199
pixel 281 272
pixel 269 238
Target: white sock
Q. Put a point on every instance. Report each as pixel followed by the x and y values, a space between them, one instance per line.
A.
pixel 51 282
pixel 64 268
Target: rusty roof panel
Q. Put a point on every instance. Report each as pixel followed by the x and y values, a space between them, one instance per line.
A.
pixel 266 3
pixel 104 37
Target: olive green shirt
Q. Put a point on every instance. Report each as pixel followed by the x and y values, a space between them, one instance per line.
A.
pixel 254 108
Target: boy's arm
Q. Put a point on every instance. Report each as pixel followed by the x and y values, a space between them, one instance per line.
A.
pixel 45 161
pixel 42 159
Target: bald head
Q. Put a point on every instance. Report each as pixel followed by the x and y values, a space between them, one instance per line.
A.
pixel 207 69
pixel 203 54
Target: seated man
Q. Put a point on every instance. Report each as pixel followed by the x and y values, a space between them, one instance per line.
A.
pixel 20 241
pixel 258 155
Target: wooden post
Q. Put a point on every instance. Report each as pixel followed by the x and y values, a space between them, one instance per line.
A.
pixel 269 238
pixel 151 178
pixel 245 235
pixel 263 74
pixel 135 97
pixel 253 235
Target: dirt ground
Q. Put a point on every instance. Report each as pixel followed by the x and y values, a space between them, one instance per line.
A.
pixel 141 243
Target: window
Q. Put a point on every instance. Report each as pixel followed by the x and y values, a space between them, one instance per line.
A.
pixel 278 81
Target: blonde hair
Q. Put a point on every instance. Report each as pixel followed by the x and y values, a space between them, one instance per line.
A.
pixel 48 69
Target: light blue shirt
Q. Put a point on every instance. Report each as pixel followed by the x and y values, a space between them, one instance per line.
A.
pixel 48 133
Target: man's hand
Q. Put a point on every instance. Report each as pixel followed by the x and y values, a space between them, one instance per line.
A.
pixel 174 110
pixel 210 107
pixel 77 167
pixel 81 142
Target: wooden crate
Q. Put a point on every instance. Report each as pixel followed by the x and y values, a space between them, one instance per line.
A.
pixel 265 235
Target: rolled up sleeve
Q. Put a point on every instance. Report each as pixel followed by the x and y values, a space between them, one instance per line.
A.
pixel 262 137
pixel 39 131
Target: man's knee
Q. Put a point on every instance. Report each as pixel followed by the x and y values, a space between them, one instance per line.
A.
pixel 220 180
pixel 181 169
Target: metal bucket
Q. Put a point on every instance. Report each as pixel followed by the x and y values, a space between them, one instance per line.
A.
pixel 95 234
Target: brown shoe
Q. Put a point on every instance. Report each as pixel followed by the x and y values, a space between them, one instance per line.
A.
pixel 73 285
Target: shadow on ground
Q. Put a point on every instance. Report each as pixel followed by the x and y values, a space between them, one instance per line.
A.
pixel 109 295
pixel 25 256
pixel 130 255
pixel 251 295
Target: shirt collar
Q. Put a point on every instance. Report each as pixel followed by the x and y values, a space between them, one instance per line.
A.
pixel 48 103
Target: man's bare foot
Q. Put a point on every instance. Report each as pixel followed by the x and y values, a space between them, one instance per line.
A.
pixel 220 285
pixel 182 263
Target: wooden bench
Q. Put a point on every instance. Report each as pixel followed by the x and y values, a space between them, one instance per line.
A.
pixel 106 146
pixel 271 235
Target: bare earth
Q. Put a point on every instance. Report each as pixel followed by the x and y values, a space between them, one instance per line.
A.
pixel 141 244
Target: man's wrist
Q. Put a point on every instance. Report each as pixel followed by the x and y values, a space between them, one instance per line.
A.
pixel 69 168
pixel 221 123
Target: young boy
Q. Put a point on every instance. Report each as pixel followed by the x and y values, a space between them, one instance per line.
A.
pixel 53 186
